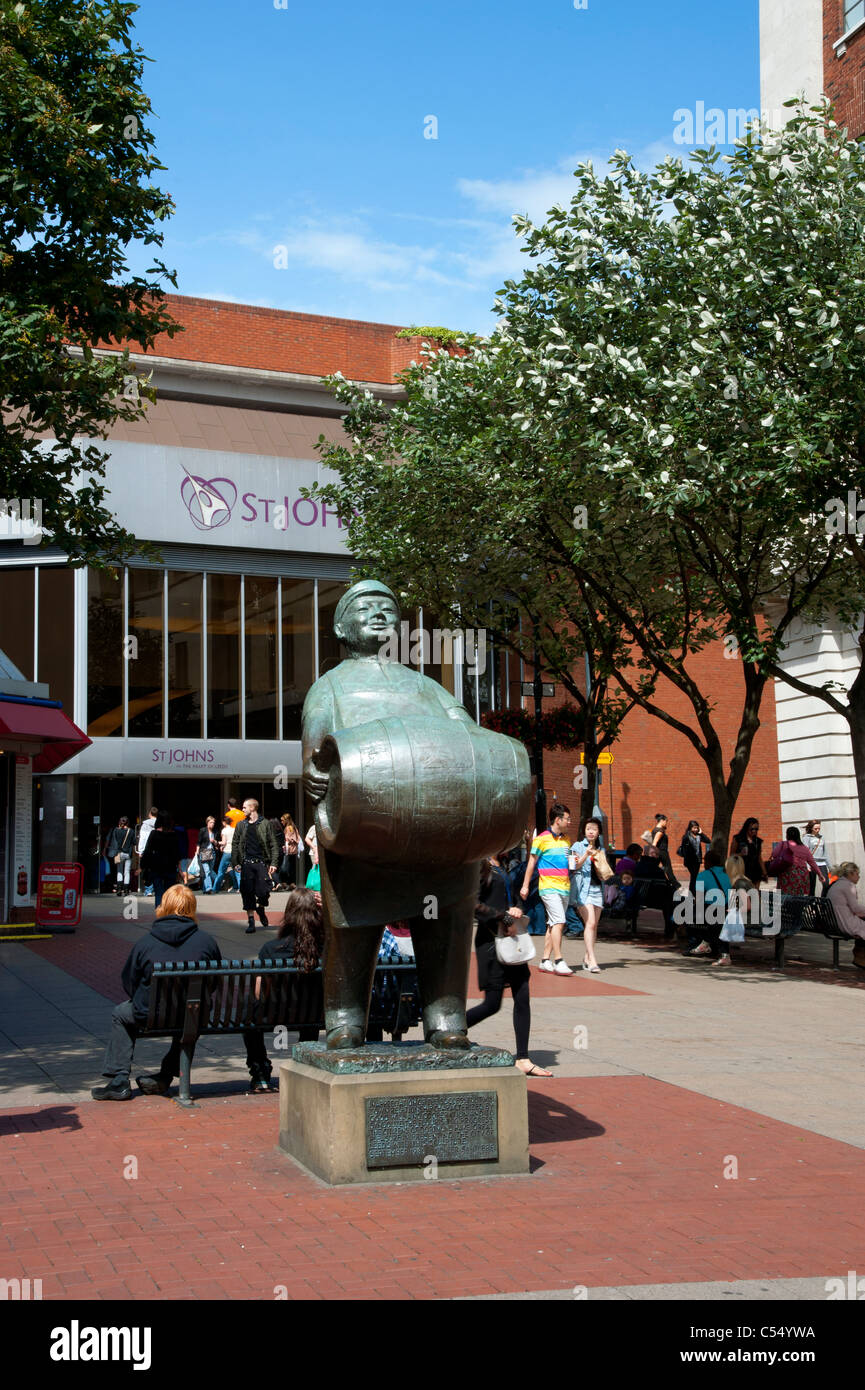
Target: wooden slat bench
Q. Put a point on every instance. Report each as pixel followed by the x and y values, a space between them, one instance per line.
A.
pixel 189 1000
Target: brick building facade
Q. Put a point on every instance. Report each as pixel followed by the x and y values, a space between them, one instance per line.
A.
pixel 844 61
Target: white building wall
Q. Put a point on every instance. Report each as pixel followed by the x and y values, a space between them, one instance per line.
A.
pixel 791 52
pixel 814 748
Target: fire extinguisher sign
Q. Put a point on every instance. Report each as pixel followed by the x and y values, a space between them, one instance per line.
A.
pixel 59 896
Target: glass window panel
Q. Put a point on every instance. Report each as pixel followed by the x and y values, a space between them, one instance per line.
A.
pixel 260 639
pixel 145 653
pixel 853 13
pixel 223 656
pixel 57 632
pixel 16 619
pixel 330 653
pixel 298 656
pixel 105 653
pixel 184 655
pixel 439 644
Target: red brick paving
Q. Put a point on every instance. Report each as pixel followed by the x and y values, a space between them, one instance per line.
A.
pixel 93 956
pixel 628 1188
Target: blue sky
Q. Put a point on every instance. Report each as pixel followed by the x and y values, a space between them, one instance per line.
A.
pixel 303 128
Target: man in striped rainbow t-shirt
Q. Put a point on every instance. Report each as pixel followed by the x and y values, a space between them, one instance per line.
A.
pixel 550 854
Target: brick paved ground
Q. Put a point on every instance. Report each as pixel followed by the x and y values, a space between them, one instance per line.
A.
pixel 627 1188
pixel 685 1070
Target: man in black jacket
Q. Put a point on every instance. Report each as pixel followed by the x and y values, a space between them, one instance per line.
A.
pixel 175 935
pixel 256 850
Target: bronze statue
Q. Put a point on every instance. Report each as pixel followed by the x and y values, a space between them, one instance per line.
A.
pixel 410 795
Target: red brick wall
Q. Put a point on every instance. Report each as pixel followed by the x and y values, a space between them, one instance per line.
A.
pixel 276 340
pixel 844 78
pixel 655 768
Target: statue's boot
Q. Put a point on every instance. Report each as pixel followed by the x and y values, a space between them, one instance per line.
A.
pixel 442 950
pixel 350 958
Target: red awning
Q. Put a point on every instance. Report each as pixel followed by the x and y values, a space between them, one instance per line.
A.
pixel 54 736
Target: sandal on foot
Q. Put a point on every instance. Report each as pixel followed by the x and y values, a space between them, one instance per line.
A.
pixel 533 1070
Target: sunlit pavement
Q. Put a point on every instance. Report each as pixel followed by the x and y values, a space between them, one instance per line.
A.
pixel 703 1127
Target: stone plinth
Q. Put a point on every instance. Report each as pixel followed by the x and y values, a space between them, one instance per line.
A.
pixel 397 1112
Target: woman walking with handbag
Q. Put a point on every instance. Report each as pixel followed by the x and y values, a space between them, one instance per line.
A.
pixel 118 850
pixel 208 852
pixel 289 848
pixel 494 915
pixel 591 872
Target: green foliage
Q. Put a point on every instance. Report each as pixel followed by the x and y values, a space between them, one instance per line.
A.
pixel 682 359
pixel 446 336
pixel 561 727
pixel 76 189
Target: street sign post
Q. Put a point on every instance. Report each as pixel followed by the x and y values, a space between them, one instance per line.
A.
pixel 527 690
pixel 59 896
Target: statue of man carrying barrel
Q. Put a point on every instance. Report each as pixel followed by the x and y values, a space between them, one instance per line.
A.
pixel 410 795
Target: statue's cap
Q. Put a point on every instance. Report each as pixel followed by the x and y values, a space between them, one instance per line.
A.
pixel 363 586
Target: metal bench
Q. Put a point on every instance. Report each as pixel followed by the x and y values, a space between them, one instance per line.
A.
pixel 189 1000
pixel 793 911
pixel 631 911
pixel 820 917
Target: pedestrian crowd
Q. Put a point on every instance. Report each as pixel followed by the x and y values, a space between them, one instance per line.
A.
pixel 244 853
pixel 554 885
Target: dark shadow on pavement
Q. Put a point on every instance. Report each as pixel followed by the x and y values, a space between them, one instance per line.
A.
pixel 52 1117
pixel 553 1122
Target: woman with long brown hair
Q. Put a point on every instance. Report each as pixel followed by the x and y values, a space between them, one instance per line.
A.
pixel 300 940
pixel 289 850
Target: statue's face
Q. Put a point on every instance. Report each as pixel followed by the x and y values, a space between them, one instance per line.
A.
pixel 367 623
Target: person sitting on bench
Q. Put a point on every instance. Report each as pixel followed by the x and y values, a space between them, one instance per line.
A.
pixel 299 940
pixel 174 936
pixel 849 912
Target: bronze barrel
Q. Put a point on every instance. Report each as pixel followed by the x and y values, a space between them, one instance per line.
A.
pixel 415 791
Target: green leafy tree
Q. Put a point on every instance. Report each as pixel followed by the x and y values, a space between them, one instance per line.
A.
pixel 682 360
pixel 76 170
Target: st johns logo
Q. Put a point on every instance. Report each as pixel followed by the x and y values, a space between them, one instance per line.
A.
pixel 208 501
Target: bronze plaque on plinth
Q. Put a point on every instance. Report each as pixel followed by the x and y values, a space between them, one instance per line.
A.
pixel 405 1130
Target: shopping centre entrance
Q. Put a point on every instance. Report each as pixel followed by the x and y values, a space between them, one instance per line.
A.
pixel 101 801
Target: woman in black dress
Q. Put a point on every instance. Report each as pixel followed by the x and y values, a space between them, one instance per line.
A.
pixel 749 846
pixel 299 940
pixel 494 977
pixel 661 842
pixel 691 851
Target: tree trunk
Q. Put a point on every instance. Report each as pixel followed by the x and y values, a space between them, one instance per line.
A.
pixel 722 819
pixel 589 767
pixel 856 720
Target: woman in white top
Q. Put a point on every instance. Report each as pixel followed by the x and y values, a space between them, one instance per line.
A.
pixel 850 915
pixel 225 840
pixel 813 840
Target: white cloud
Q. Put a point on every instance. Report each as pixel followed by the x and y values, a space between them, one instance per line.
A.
pixel 535 191
pixel 450 272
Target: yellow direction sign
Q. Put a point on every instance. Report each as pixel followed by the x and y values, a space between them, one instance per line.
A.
pixel 604 759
